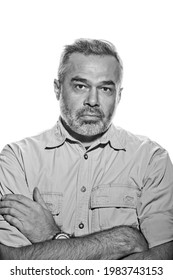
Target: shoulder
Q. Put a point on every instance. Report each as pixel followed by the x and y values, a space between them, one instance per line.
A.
pixel 29 144
pixel 135 142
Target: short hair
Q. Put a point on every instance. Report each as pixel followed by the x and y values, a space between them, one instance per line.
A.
pixel 88 47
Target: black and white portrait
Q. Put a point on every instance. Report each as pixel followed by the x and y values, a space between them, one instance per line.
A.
pixel 86 133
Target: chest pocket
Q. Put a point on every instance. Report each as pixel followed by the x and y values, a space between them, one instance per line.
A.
pixel 113 205
pixel 54 202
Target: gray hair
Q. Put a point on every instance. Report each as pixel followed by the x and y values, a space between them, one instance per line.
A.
pixel 88 47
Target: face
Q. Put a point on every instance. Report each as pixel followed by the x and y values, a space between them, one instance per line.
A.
pixel 89 93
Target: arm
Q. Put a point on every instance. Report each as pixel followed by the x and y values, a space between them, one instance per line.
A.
pixel 30 217
pixel 114 243
pixel 155 210
pixel 160 252
pixel 37 224
pixel 118 243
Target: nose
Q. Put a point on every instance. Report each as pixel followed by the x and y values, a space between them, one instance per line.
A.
pixel 92 98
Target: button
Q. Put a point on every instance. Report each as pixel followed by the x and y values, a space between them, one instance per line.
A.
pixel 83 189
pixel 81 225
pixel 85 156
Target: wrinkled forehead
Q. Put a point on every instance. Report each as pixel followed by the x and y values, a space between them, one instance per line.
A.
pixel 93 67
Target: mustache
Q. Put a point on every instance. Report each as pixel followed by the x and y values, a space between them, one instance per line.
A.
pixel 89 110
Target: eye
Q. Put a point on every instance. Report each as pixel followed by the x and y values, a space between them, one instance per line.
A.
pixel 79 86
pixel 106 89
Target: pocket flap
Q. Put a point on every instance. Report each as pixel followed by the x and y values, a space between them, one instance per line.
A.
pixel 114 196
pixel 53 202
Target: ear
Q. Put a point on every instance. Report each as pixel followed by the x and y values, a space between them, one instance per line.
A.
pixel 119 95
pixel 57 88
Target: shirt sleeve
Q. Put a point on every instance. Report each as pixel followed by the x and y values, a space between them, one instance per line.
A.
pixel 156 201
pixel 12 181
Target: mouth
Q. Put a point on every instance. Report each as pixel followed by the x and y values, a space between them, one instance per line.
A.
pixel 91 116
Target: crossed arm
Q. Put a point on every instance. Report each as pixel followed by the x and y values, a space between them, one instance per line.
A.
pixel 103 245
pixel 36 222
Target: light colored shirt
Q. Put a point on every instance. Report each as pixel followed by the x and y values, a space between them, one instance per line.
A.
pixel 122 179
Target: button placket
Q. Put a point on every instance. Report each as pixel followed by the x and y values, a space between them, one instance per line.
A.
pixel 81 221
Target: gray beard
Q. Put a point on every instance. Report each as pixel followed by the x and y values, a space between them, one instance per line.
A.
pixel 84 127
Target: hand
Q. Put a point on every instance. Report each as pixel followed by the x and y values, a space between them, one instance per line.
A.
pixel 32 218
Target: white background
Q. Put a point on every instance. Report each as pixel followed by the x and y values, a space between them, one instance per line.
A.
pixel 32 34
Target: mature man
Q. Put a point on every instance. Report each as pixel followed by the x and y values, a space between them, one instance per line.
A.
pixel 86 189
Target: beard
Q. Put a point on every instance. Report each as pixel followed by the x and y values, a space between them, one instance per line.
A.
pixel 78 123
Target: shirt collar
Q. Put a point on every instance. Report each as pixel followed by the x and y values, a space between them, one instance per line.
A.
pixel 59 135
pixel 112 136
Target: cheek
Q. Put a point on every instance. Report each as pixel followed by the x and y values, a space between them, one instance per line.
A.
pixel 108 106
pixel 73 103
pixel 76 103
pixel 67 98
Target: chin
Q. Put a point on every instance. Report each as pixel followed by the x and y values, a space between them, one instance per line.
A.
pixel 90 129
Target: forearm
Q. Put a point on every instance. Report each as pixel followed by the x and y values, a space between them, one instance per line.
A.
pixel 160 252
pixel 115 243
pixel 147 255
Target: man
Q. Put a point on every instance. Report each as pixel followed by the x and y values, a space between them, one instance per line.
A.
pixel 86 189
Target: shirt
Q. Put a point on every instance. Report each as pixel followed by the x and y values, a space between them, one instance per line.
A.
pixel 121 179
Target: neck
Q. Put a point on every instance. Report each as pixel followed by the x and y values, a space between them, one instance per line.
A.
pixel 86 140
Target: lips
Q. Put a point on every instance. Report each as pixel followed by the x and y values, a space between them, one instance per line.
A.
pixel 91 115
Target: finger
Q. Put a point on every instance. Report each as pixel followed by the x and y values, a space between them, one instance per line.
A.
pixel 14 205
pixel 12 212
pixel 13 221
pixel 19 198
pixel 10 197
pixel 37 198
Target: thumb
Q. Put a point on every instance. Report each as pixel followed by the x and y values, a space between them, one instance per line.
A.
pixel 37 198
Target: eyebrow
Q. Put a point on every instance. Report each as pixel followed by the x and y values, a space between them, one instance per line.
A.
pixel 109 82
pixel 79 79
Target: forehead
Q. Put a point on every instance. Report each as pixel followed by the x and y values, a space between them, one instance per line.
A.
pixel 93 67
